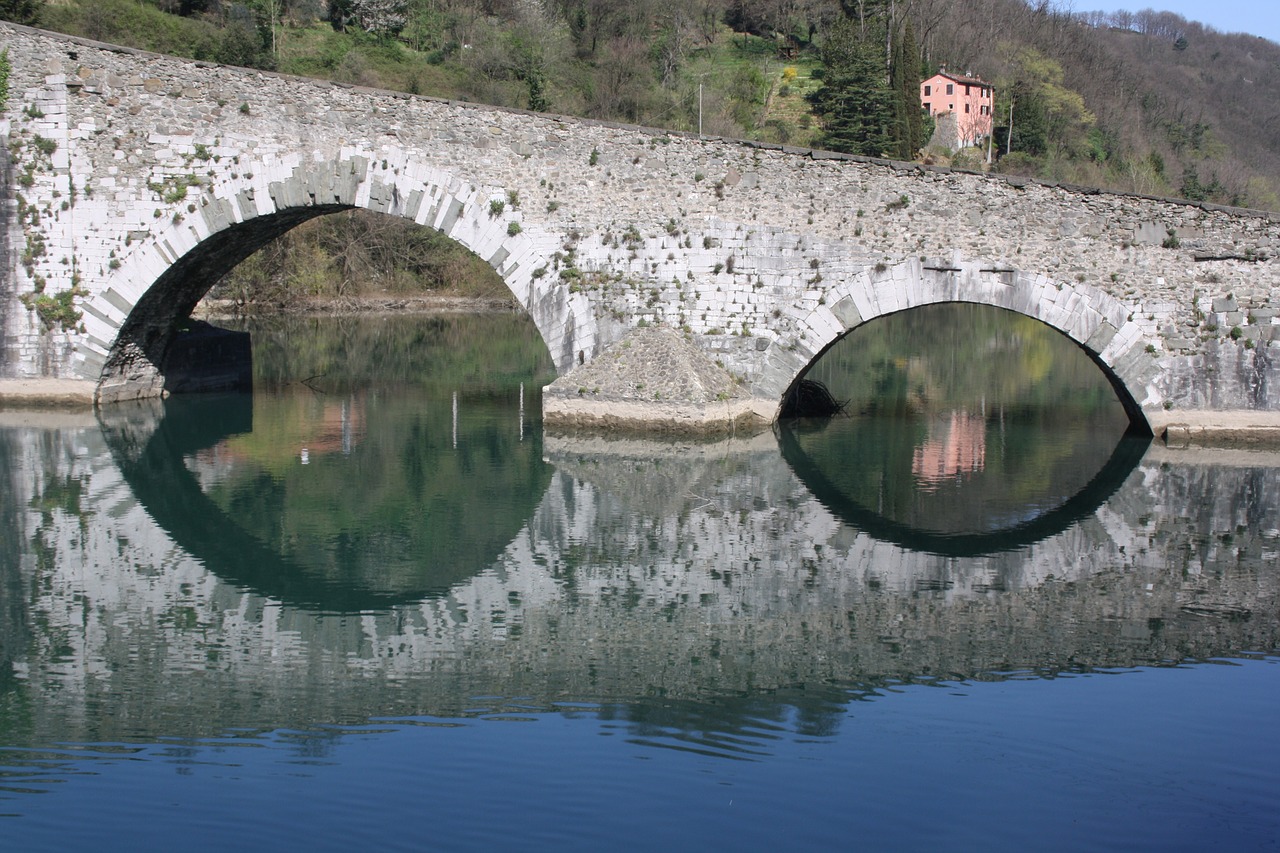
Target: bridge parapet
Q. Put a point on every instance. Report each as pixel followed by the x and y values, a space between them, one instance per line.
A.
pixel 137 180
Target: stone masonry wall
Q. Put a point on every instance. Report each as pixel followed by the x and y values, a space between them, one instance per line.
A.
pixel 124 163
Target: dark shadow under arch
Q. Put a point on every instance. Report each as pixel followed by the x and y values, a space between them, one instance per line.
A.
pixel 146 340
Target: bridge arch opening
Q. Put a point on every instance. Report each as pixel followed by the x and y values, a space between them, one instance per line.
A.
pixel 970 429
pixel 133 323
pixel 1094 323
pixel 942 352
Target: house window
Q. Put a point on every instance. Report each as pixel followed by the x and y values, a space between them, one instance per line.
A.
pixel 966 108
pixel 966 90
pixel 951 108
pixel 926 106
pixel 951 90
pixel 928 90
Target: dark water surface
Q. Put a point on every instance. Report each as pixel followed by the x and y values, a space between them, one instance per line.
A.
pixel 374 607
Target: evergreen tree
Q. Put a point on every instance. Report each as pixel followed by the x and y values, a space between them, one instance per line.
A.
pixel 20 11
pixel 1030 133
pixel 855 101
pixel 905 72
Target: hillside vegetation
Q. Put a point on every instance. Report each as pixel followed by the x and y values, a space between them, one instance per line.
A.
pixel 1147 102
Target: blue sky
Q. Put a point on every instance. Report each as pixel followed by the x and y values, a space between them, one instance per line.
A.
pixel 1258 17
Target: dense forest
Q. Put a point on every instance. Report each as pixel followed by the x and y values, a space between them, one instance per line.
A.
pixel 1137 102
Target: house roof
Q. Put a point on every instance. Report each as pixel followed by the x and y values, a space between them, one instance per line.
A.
pixel 961 78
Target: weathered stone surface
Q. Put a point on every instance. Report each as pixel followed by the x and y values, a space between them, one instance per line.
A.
pixel 763 255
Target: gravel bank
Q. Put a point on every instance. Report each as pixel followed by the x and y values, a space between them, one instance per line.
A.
pixel 654 380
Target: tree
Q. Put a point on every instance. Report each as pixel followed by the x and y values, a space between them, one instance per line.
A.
pixel 1043 112
pixel 379 17
pixel 620 80
pixel 1027 133
pixel 245 40
pixel 20 11
pixel 527 52
pixel 855 101
pixel 908 116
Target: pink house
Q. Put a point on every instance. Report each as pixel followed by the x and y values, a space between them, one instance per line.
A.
pixel 968 99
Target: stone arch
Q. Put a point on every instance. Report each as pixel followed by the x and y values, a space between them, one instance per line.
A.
pixel 130 321
pixel 1100 324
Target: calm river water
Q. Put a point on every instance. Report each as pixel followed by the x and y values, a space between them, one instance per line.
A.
pixel 373 607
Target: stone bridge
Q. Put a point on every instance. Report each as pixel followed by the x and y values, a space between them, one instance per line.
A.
pixel 133 182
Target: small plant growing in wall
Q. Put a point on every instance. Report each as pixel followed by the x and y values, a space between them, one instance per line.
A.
pixel 174 188
pixel 513 228
pixel 44 146
pixel 594 158
pixel 901 204
pixel 58 310
pixel 34 250
pixel 496 206
pixel 1171 240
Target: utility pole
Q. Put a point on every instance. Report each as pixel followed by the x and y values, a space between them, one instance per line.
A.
pixel 1008 143
pixel 991 132
pixel 701 76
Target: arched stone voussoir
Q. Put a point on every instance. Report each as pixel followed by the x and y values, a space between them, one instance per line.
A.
pixel 1097 322
pixel 160 278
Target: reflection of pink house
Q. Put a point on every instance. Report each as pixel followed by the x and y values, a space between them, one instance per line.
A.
pixel 960 450
pixel 969 100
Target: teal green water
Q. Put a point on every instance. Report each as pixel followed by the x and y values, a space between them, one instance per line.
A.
pixel 374 606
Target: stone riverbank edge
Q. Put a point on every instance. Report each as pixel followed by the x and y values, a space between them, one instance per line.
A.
pixel 719 418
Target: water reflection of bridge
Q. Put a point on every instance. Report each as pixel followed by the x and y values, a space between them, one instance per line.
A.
pixel 645 570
